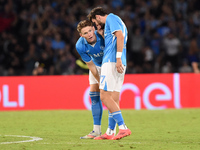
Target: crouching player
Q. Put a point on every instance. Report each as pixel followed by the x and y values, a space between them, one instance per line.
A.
pixel 90 46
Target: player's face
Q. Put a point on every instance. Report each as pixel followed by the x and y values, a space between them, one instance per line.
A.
pixel 98 23
pixel 88 34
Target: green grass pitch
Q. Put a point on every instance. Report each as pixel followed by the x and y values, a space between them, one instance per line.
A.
pixel 61 130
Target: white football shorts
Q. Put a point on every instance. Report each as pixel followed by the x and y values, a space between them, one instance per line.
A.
pixel 110 79
pixel 92 79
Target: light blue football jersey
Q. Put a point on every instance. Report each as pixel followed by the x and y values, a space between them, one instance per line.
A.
pixel 88 52
pixel 114 23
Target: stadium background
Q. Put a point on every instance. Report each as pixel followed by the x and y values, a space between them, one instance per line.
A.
pixel 37 37
pixel 44 31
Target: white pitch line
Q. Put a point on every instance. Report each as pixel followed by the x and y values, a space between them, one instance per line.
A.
pixel 32 139
pixel 93 142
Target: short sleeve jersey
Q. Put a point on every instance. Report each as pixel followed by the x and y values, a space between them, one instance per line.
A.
pixel 114 23
pixel 88 52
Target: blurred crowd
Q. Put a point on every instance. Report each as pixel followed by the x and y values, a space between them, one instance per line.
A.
pixel 37 37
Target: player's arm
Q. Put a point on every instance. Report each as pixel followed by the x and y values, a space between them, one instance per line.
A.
pixel 93 69
pixel 120 45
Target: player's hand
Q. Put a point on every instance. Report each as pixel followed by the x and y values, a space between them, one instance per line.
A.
pixel 119 66
pixel 196 71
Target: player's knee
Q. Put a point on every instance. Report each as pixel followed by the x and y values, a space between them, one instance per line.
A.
pixel 104 95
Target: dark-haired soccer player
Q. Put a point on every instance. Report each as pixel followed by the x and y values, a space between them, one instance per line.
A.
pixel 113 67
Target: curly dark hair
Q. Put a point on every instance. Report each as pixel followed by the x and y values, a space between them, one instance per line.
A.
pixel 96 11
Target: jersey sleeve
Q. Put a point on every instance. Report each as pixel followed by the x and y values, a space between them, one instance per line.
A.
pixel 85 56
pixel 114 23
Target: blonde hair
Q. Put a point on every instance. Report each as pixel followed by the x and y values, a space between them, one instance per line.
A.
pixel 83 24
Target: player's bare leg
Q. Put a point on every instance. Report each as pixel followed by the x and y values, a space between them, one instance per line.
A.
pixel 124 131
pixel 113 107
pixel 115 96
pixel 111 130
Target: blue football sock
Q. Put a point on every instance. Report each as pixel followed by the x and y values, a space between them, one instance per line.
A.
pixel 111 121
pixel 117 116
pixel 97 108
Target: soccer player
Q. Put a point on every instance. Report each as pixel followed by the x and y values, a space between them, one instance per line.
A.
pixel 113 68
pixel 90 46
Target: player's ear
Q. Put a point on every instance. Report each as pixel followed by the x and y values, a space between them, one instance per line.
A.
pixel 80 34
pixel 97 16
